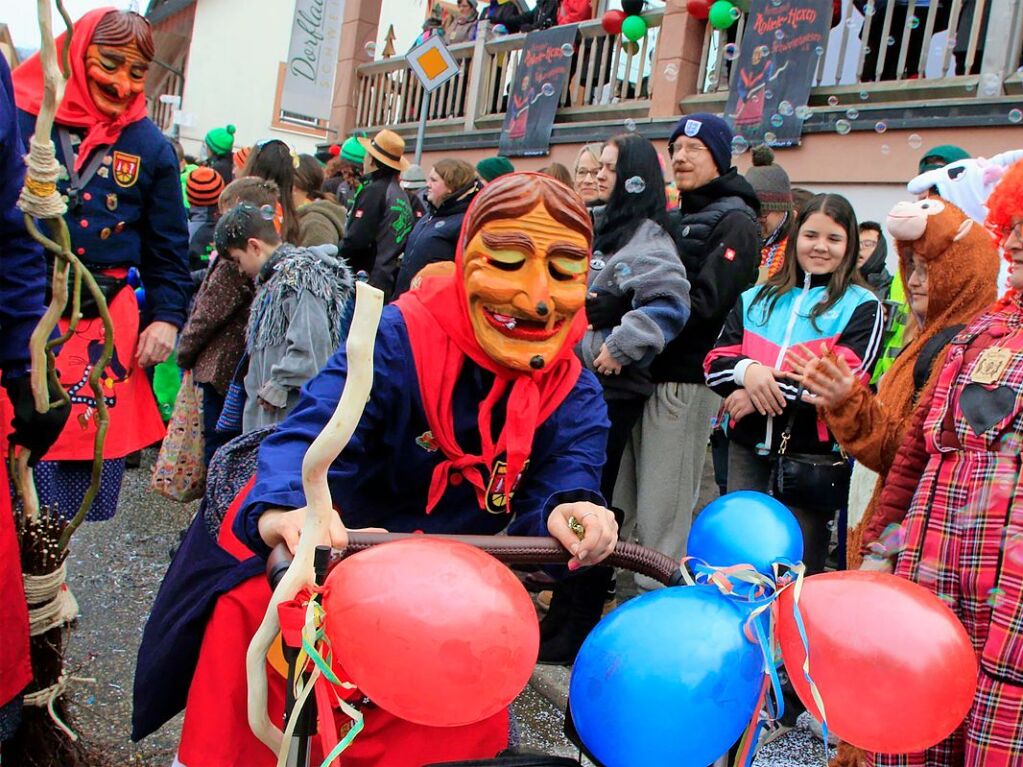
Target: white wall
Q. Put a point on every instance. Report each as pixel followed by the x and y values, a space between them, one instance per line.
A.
pixel 232 71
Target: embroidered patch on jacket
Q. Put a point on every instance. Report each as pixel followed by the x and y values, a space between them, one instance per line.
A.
pixel 498 492
pixel 729 254
pixel 126 168
pixel 428 442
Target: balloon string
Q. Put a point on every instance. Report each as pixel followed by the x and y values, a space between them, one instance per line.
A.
pixel 814 691
pixel 747 745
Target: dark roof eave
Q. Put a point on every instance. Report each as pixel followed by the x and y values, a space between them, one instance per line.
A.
pixel 158 11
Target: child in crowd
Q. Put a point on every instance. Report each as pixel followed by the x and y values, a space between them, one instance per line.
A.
pixel 202 189
pixel 295 324
pixel 213 340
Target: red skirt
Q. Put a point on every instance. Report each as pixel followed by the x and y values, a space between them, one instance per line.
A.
pixel 15 665
pixel 135 420
pixel 216 731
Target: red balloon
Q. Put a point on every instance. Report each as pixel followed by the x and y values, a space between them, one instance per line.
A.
pixel 894 666
pixel 698 9
pixel 612 22
pixel 435 632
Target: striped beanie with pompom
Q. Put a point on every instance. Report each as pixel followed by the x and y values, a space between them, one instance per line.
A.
pixel 203 187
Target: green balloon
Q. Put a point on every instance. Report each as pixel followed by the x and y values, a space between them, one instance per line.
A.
pixel 634 27
pixel 722 14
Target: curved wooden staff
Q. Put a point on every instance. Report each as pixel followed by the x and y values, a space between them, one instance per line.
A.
pixel 315 530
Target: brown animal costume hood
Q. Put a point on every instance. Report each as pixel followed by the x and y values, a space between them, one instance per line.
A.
pixel 962 274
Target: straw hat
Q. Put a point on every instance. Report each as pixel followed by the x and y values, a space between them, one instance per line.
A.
pixel 387 148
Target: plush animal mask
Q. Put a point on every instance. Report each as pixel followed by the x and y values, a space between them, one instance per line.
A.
pixel 967 183
pixel 526 250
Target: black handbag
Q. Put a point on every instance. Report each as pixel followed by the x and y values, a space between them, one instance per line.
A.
pixel 819 482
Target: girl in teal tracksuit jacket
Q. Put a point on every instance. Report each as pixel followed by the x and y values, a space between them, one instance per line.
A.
pixel 817 299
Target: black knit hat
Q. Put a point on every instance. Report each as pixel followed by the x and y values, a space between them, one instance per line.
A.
pixel 713 132
pixel 769 181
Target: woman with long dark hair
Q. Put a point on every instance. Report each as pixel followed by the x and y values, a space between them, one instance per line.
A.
pixel 634 260
pixel 274 160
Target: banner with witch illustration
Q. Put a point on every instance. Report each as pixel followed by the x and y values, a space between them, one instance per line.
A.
pixel 781 46
pixel 535 92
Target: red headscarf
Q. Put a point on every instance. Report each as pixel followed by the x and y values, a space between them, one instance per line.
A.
pixel 441 336
pixel 76 109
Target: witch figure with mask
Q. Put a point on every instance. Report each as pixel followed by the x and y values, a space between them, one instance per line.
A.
pixel 481 419
pixel 120 177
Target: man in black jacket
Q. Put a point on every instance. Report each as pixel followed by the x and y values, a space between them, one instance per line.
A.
pixel 718 240
pixel 381 216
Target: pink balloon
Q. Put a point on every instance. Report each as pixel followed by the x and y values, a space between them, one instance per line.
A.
pixel 894 666
pixel 435 632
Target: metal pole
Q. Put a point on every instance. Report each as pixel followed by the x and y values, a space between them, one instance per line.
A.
pixel 423 115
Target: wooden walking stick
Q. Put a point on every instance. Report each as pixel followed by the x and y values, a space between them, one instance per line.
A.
pixel 44 737
pixel 315 530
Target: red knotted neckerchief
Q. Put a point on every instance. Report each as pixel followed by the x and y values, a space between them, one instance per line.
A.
pixel 441 336
pixel 77 108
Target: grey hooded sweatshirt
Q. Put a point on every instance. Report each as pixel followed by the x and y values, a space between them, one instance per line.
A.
pixel 646 269
pixel 294 327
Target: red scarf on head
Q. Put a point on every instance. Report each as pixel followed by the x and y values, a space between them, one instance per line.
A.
pixel 441 336
pixel 77 108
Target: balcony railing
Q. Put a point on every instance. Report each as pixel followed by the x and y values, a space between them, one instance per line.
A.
pixel 913 46
pixel 606 76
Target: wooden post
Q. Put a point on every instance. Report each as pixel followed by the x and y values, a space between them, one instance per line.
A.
pixel 473 91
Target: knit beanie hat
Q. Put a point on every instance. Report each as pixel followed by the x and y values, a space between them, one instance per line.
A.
pixel 241 156
pixel 769 181
pixel 492 167
pixel 947 153
pixel 203 187
pixel 221 140
pixel 713 132
pixel 352 151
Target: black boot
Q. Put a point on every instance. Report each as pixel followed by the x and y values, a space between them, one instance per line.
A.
pixel 588 591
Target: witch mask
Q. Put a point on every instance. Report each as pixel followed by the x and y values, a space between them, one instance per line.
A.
pixel 526 250
pixel 117 61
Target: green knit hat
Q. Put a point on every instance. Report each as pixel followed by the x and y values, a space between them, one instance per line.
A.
pixel 940 156
pixel 221 140
pixel 492 167
pixel 352 151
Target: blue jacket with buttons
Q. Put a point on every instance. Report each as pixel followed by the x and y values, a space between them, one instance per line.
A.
pixel 22 267
pixel 135 220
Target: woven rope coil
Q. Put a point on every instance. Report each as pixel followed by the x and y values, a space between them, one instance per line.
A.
pixel 55 605
pixel 39 196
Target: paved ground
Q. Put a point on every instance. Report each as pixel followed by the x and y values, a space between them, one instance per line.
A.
pixel 115 571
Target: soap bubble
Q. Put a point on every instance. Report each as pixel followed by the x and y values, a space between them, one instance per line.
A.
pixel 735 13
pixel 671 73
pixel 819 50
pixel 770 137
pixel 832 101
pixel 567 50
pixel 1015 116
pixel 630 125
pixel 547 89
pixel 864 95
pixel 739 145
pixel 880 126
pixel 785 108
pixel 266 212
pixel 371 49
pixel 852 113
pixel 885 149
pixel 890 41
pixel 868 9
pixel 777 120
pixel 776 3
pixel 768 94
pixel 731 51
pixel 914 141
pixel 913 22
pixel 850 22
pixel 763 50
pixel 635 185
pixel 779 34
pixel 842 127
pixel 804 112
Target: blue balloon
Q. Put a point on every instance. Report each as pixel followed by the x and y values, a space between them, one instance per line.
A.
pixel 745 528
pixel 666 679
